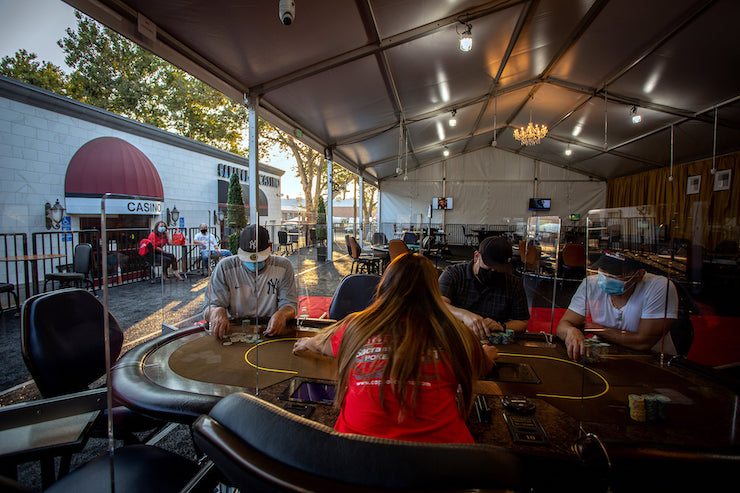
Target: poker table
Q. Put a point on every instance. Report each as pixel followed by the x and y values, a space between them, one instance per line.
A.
pixel 181 375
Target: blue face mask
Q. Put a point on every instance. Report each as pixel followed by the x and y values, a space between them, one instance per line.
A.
pixel 610 285
pixel 161 229
pixel 251 265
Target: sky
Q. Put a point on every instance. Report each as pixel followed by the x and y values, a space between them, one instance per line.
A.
pixel 37 25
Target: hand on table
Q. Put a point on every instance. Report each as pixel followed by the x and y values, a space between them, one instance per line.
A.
pixel 218 322
pixel 574 344
pixel 482 327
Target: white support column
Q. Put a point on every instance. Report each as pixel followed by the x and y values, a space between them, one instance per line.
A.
pixel 328 154
pixel 252 106
pixel 362 208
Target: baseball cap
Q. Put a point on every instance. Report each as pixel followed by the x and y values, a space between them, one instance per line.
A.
pixel 615 263
pixel 495 250
pixel 254 244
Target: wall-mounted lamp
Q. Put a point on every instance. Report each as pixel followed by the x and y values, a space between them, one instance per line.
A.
pixel 173 216
pixel 466 37
pixel 453 119
pixel 446 152
pixel 636 118
pixel 54 214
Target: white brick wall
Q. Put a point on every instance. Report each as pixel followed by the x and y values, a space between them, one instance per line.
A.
pixel 36 146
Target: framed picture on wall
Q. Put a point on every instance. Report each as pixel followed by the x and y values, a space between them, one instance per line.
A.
pixel 693 185
pixel 722 180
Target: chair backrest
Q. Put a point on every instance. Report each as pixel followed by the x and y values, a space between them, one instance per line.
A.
pixel 354 293
pixel 354 247
pixel 574 255
pixel 379 239
pixel 83 258
pixel 62 340
pixel 282 237
pixel 410 238
pixel 396 248
pixel 349 248
pixel 261 447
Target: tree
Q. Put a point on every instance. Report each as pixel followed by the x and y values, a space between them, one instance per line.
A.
pixel 24 67
pixel 321 220
pixel 236 217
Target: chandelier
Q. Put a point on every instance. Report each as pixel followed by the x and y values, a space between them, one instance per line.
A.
pixel 530 135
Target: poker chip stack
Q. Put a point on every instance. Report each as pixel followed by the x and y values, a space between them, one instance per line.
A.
pixel 595 351
pixel 648 407
pixel 505 337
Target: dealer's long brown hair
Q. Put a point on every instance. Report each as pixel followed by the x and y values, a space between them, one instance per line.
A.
pixel 415 324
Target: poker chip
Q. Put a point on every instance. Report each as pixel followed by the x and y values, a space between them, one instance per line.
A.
pixel 648 407
pixel 637 407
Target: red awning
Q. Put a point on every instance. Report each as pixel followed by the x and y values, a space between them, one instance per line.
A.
pixel 111 165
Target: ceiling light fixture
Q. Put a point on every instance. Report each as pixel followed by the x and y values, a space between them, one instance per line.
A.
pixel 446 152
pixel 568 152
pixel 531 134
pixel 636 118
pixel 466 37
pixel 453 120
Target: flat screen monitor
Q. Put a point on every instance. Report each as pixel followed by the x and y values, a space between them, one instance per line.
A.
pixel 575 217
pixel 444 203
pixel 539 204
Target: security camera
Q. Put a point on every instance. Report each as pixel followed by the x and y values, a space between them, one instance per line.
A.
pixel 287 11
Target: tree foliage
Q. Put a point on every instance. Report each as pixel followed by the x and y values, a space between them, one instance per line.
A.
pixel 236 216
pixel 24 67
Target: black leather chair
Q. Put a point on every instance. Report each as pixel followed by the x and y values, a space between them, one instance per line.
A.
pixel 362 261
pixel 284 242
pixel 260 447
pixel 379 239
pixel 9 288
pixel 81 268
pixel 63 346
pixel 354 293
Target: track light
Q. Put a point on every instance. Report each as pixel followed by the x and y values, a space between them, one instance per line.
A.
pixel 453 119
pixel 446 152
pixel 466 37
pixel 635 117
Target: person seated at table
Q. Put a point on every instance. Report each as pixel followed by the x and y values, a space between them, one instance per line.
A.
pixel 627 306
pixel 483 293
pixel 208 245
pixel 402 360
pixel 159 238
pixel 252 284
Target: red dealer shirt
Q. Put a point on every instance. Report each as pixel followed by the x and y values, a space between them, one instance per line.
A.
pixel 436 418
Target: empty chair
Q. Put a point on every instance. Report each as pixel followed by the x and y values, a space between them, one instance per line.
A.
pixel 379 239
pixel 574 261
pixel 81 268
pixel 362 262
pixel 9 288
pixel 354 293
pixel 396 248
pixel 284 242
pixel 260 447
pixel 530 255
pixel 410 238
pixel 63 346
pixel 470 238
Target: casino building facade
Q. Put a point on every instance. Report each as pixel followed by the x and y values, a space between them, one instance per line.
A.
pixel 57 149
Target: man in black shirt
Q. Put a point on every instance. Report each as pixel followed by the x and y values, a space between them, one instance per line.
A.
pixel 483 294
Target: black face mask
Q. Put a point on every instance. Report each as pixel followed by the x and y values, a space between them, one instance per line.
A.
pixel 204 231
pixel 490 277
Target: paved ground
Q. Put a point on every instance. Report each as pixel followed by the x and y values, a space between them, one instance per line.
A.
pixel 140 309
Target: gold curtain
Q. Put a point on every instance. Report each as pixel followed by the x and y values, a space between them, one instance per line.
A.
pixel 706 217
